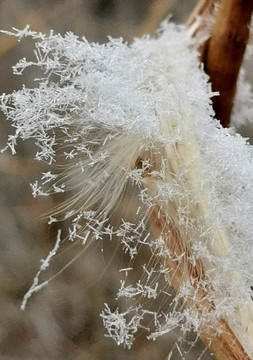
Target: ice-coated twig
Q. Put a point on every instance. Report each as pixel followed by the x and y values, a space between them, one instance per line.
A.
pixel 44 265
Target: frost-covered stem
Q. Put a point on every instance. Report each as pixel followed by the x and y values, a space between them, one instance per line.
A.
pixel 223 53
pixel 224 346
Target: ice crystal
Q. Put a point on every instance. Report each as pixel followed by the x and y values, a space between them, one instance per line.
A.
pixel 135 122
pixel 119 327
pixel 140 289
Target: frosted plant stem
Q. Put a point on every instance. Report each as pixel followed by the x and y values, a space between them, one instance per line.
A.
pixel 223 53
pixel 224 346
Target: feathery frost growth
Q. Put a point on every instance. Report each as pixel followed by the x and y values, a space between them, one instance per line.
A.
pixel 136 121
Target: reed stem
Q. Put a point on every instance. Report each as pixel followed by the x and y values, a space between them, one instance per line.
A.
pixel 223 54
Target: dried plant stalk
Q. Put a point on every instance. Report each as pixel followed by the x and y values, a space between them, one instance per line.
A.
pixel 223 53
pixel 224 346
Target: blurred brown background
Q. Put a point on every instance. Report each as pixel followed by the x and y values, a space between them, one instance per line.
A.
pixel 62 321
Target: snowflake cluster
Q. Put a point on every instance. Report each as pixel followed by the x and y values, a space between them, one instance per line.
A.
pixel 135 122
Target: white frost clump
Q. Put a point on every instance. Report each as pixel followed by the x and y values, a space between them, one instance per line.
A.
pixel 138 119
pixel 120 328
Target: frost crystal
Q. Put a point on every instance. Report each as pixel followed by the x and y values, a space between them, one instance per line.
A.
pixel 119 327
pixel 133 124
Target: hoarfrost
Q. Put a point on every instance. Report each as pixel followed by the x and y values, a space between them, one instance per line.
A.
pixel 137 120
pixel 121 326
